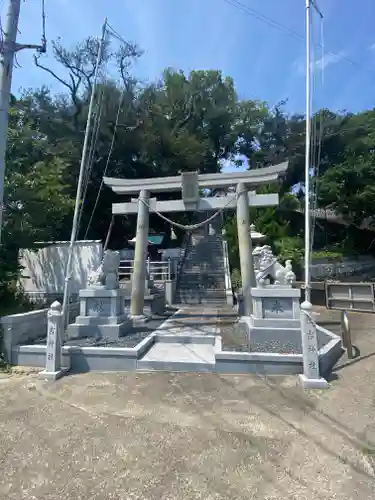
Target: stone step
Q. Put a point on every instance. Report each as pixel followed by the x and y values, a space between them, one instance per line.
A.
pixel 195 271
pixel 195 302
pixel 202 293
pixel 185 294
pixel 179 357
pixel 215 265
pixel 193 288
pixel 203 258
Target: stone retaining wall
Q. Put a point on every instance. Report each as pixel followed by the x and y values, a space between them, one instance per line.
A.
pixel 26 327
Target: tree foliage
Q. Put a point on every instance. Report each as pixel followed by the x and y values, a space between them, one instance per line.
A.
pixel 192 121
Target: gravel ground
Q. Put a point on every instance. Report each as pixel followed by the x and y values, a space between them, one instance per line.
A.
pixel 275 346
pixel 234 338
pixel 233 334
pixel 188 436
pixel 136 335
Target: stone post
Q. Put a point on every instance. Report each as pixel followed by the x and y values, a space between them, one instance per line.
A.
pixel 310 378
pixel 170 288
pixel 54 369
pixel 140 257
pixel 245 247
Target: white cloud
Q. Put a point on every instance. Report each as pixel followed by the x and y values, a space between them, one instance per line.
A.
pixel 327 60
pixel 319 64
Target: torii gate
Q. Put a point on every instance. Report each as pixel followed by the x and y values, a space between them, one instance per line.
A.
pixel 189 184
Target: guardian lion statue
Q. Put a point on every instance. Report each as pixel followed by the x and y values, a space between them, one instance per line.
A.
pixel 267 265
pixel 106 276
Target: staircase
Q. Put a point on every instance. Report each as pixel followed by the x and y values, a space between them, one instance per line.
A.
pixel 202 276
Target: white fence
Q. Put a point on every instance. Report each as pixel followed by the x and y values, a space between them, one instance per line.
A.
pixel 44 269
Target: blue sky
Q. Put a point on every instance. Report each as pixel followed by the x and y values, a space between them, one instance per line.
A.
pixel 265 62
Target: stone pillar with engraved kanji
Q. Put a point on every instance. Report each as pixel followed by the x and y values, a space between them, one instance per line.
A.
pixel 310 378
pixel 53 368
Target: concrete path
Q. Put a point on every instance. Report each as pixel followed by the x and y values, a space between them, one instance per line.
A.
pixel 179 357
pixel 183 349
pixel 191 321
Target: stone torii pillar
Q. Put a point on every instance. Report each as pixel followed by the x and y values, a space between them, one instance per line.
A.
pixel 245 247
pixel 140 257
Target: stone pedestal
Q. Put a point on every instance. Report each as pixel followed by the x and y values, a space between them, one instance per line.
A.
pixel 102 314
pixel 154 303
pixel 276 306
pixel 276 316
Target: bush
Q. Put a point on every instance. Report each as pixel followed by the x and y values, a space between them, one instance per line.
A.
pixel 9 273
pixel 4 366
pixel 236 279
pixel 290 248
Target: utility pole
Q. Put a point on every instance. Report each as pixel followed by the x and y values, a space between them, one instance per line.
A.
pixel 85 152
pixel 309 4
pixel 307 153
pixel 8 48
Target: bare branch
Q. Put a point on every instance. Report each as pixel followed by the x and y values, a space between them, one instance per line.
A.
pixel 52 73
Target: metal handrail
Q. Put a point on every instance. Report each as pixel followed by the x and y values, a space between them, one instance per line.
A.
pixel 228 279
pixel 163 269
pixel 185 244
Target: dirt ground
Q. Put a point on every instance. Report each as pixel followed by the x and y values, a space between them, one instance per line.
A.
pixel 192 436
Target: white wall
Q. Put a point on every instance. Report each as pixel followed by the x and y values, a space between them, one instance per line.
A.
pixel 44 269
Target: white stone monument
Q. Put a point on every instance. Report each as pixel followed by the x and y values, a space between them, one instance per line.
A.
pixel 102 310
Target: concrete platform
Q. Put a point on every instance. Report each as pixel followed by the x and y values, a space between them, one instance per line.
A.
pixel 190 340
pixel 179 357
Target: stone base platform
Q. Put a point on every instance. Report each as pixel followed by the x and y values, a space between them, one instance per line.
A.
pixel 101 331
pixel 191 340
pixel 102 315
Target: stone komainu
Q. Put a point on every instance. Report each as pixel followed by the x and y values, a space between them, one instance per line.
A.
pixel 106 276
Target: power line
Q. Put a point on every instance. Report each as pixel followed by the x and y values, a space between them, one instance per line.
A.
pixel 90 161
pixel 250 11
pixel 108 159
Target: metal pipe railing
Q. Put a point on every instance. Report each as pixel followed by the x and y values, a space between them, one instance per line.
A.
pixel 157 270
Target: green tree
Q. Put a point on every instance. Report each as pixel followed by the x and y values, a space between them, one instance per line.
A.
pixel 36 202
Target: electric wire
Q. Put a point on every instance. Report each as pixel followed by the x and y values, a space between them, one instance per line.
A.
pixel 91 155
pixel 312 137
pixel 116 35
pixel 319 139
pixel 250 11
pixel 121 99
